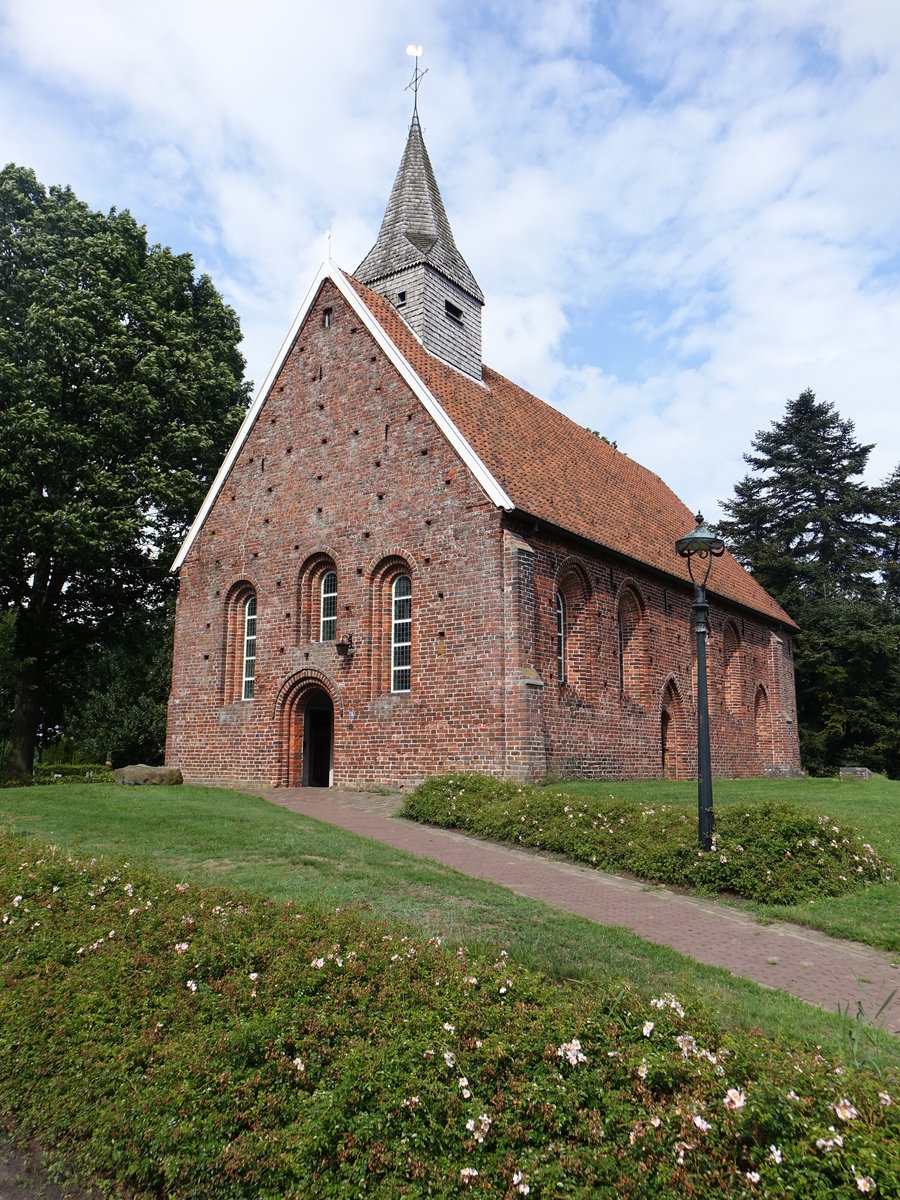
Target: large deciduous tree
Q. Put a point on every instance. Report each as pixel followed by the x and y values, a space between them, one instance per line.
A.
pixel 120 388
pixel 813 535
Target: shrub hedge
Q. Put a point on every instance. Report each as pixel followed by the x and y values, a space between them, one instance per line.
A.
pixel 164 1039
pixel 775 853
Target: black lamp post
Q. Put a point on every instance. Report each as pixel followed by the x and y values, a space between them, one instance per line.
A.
pixel 701 543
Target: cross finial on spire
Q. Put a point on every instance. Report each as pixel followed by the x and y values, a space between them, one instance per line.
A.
pixel 415 52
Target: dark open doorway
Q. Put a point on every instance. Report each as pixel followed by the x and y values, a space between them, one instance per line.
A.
pixel 318 740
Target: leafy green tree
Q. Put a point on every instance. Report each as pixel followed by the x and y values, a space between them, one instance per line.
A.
pixel 119 702
pixel 810 531
pixel 120 388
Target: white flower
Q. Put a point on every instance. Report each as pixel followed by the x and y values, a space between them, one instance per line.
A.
pixel 479 1130
pixel 298 1066
pixel 519 1183
pixel 17 901
pixel 865 1183
pixel 253 976
pixel 411 1102
pixel 845 1110
pixel 655 1122
pixel 735 1099
pixel 450 1028
pixel 464 1087
pixel 753 1176
pixel 182 947
pixel 702 1125
pixel 467 1174
pixel 318 963
pixel 449 1058
pixel 572 1052
pixel 648 1028
pixel 191 985
pixel 687 1044
pixel 884 1099
pixel 642 1069
pixel 775 1154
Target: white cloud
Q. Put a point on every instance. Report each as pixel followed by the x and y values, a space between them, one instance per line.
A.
pixel 703 192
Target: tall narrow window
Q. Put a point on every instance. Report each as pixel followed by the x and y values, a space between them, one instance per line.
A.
pixel 401 637
pixel 328 624
pixel 560 638
pixel 249 648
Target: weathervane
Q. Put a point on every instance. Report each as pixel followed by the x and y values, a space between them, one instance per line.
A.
pixel 415 52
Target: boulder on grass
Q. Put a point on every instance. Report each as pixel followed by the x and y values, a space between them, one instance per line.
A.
pixel 141 774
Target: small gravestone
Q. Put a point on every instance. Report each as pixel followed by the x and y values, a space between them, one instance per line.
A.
pixel 856 773
pixel 142 775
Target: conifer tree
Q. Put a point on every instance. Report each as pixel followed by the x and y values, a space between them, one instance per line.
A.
pixel 808 528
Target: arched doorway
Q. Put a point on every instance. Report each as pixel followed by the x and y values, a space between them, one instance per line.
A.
pixel 317 755
pixel 305 716
pixel 670 722
pixel 763 723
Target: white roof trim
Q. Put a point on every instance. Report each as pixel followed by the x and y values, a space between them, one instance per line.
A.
pixel 328 270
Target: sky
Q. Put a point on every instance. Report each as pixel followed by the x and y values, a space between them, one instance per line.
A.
pixel 682 213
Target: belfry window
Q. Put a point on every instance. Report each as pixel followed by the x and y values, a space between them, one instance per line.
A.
pixel 401 634
pixel 328 622
pixel 454 312
pixel 249 672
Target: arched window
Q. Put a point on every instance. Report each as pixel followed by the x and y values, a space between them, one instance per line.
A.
pixel 249 669
pixel 560 638
pixel 328 621
pixel 401 634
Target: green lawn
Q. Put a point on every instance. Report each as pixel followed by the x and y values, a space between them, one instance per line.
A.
pixel 224 837
pixel 872 806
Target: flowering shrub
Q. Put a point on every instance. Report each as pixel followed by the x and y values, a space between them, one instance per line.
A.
pixel 775 853
pixel 166 1039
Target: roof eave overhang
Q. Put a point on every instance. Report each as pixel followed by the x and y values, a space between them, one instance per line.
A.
pixel 329 271
pixel 671 579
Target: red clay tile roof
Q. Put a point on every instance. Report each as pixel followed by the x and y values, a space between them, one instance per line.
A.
pixel 557 471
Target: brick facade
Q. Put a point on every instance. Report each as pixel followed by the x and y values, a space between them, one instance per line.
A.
pixel 344 470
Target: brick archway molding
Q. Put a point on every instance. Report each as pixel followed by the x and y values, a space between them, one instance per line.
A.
pixel 291 699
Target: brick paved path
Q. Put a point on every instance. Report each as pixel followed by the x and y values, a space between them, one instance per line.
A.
pixel 811 965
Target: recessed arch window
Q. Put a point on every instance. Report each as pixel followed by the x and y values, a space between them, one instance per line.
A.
pixel 731 654
pixel 401 634
pixel 249 667
pixel 632 647
pixel 328 621
pixel 560 637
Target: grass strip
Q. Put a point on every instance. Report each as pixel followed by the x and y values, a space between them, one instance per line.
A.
pixel 216 836
pixel 178 1040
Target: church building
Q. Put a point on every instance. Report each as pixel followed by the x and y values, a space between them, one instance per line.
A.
pixel 409 565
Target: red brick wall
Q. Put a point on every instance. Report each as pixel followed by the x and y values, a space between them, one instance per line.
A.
pixel 607 722
pixel 343 466
pixel 345 471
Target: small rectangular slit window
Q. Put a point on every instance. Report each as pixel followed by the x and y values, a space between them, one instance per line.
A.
pixel 453 312
pixel 326 318
pixel 401 299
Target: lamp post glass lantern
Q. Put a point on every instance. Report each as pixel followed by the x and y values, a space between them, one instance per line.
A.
pixel 701 546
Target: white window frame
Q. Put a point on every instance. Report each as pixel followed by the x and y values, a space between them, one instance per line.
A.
pixel 560 638
pixel 328 608
pixel 248 672
pixel 401 634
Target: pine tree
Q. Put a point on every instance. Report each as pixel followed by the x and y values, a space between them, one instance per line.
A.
pixel 810 531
